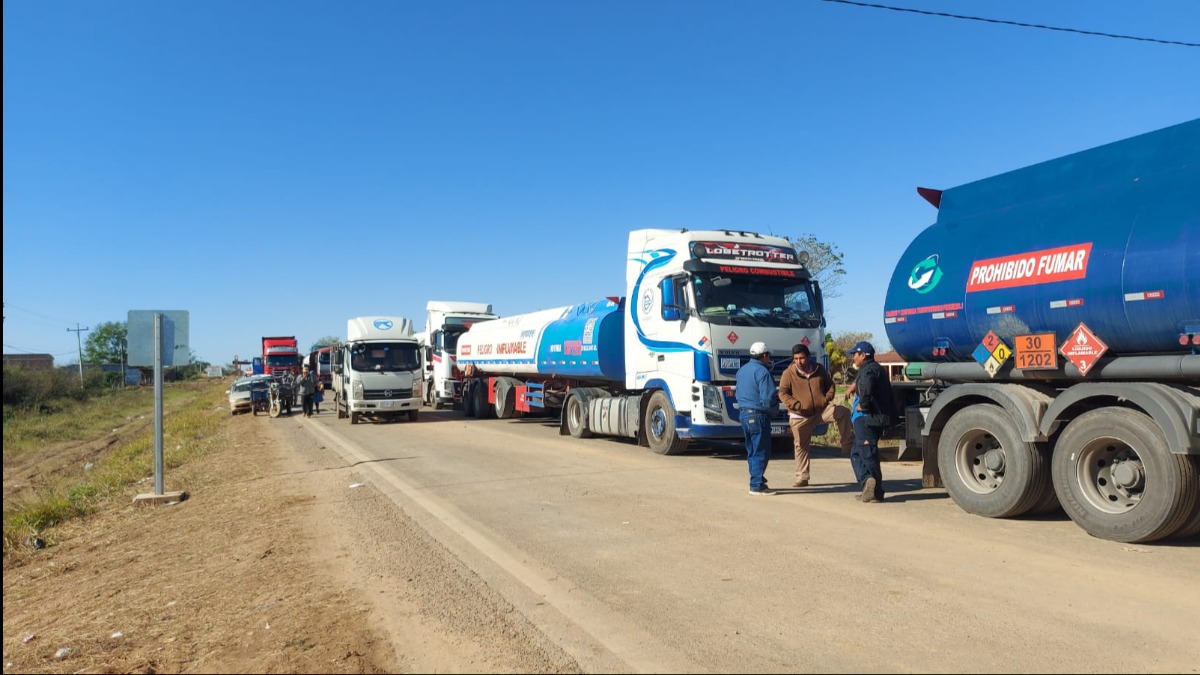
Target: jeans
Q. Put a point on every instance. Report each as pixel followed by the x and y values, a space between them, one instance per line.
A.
pixel 757 428
pixel 864 455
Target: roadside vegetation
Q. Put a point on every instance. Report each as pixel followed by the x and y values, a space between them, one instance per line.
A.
pixel 68 449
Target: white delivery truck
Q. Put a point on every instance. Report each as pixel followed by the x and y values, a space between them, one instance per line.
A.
pixel 444 322
pixel 378 371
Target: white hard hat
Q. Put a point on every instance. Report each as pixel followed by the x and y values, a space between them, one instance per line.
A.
pixel 758 349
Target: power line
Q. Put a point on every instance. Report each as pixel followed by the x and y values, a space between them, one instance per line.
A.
pixel 1014 23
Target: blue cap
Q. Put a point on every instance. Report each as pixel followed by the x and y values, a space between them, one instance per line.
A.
pixel 862 346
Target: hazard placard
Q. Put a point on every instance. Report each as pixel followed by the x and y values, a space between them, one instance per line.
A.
pixel 1083 348
pixel 1036 352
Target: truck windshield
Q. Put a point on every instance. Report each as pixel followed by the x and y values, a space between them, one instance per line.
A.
pixel 372 357
pixel 283 361
pixel 755 301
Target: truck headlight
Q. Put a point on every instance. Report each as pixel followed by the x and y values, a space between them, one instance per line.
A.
pixel 713 398
pixel 357 390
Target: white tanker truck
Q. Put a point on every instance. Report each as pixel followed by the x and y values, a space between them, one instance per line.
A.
pixel 660 364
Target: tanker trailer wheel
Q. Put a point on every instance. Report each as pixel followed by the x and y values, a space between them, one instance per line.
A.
pixel 660 426
pixel 468 398
pixel 506 397
pixel 1117 480
pixel 576 413
pixel 986 466
pixel 483 409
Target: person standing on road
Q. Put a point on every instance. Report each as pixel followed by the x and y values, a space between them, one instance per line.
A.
pixel 874 411
pixel 807 391
pixel 306 386
pixel 755 400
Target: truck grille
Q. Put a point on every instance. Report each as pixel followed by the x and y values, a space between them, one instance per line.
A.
pixel 386 394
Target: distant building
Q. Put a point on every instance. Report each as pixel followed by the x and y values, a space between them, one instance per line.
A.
pixel 30 361
pixel 893 364
pixel 133 376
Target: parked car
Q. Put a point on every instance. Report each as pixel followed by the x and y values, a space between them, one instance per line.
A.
pixel 239 393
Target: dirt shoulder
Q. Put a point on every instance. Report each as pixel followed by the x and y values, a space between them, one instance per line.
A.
pixel 276 563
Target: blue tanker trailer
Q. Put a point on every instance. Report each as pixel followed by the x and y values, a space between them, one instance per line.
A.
pixel 1051 320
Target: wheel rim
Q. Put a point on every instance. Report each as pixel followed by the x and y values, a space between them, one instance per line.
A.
pixel 658 424
pixel 575 414
pixel 1110 475
pixel 980 460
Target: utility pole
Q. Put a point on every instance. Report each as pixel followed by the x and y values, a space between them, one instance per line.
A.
pixel 77 330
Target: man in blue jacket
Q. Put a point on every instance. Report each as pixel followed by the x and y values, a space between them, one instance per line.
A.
pixel 756 398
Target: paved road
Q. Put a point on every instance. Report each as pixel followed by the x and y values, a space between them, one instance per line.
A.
pixel 637 562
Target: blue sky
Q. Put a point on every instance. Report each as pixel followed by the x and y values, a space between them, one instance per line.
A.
pixel 279 167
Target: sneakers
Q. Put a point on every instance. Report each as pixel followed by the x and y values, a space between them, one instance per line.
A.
pixel 765 492
pixel 868 491
pixel 800 483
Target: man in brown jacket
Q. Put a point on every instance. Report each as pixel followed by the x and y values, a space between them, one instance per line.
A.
pixel 807 391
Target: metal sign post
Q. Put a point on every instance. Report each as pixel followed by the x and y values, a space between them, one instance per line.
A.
pixel 158 338
pixel 158 404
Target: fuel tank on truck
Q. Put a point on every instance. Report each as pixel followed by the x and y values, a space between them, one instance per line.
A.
pixel 584 341
pixel 1108 237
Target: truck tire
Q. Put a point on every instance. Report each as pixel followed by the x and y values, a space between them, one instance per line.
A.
pixel 576 412
pixel 987 468
pixel 506 397
pixel 659 424
pixel 1117 480
pixel 353 417
pixel 468 398
pixel 1191 527
pixel 483 409
pixel 412 415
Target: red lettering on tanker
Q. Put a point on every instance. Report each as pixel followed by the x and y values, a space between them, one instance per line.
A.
pixel 510 347
pixel 573 347
pixel 927 309
pixel 1028 269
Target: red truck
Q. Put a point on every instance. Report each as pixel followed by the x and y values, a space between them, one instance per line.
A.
pixel 280 354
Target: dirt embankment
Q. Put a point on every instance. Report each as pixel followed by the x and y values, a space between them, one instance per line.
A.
pixel 278 562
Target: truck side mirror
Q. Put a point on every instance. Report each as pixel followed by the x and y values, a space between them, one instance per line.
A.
pixel 671 311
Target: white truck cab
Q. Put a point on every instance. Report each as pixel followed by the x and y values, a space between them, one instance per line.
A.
pixel 378 371
pixel 444 322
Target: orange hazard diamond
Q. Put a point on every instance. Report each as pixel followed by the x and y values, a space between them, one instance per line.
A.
pixel 1083 348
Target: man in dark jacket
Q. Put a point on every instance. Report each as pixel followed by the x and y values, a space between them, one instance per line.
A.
pixel 874 410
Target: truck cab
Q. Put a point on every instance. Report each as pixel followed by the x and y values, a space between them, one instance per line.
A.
pixel 697 301
pixel 444 323
pixel 377 372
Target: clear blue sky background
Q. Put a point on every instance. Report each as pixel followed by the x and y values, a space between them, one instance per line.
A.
pixel 279 167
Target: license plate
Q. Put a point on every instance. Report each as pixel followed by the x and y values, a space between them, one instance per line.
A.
pixel 386 404
pixel 779 430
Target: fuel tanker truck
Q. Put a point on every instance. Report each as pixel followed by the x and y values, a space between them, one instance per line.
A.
pixel 658 365
pixel 1050 318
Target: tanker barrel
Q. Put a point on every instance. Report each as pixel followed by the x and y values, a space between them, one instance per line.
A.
pixel 1166 367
